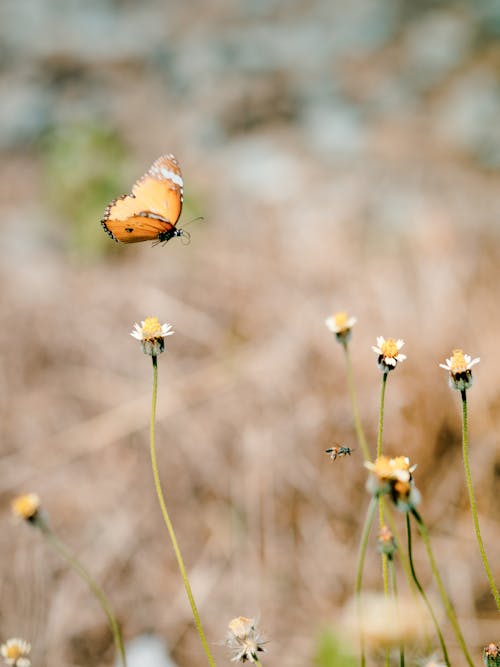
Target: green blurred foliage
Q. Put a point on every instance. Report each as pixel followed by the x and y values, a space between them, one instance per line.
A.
pixel 331 653
pixel 83 166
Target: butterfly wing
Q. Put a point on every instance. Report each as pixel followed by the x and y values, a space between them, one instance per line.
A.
pixel 153 208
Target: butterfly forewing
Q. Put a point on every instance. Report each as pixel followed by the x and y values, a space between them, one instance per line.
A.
pixel 152 209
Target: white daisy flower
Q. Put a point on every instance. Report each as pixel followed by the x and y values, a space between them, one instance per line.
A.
pixel 27 506
pixel 15 652
pixel 152 335
pixel 388 353
pixel 395 477
pixel 459 366
pixel 340 325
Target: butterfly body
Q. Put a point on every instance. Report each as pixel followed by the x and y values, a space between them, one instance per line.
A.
pixel 153 208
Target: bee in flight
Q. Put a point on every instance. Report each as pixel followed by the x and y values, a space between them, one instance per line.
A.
pixel 338 450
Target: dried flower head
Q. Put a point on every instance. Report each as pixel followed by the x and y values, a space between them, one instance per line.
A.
pixel 15 652
pixel 340 325
pixel 491 655
pixel 385 622
pixel 243 639
pixel 459 366
pixel 26 507
pixel 388 353
pixel 386 544
pixel 393 476
pixel 432 661
pixel 152 335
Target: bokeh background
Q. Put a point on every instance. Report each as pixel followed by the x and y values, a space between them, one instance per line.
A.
pixel 343 156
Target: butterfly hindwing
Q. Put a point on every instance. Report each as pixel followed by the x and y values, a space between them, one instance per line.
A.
pixel 153 208
pixel 137 228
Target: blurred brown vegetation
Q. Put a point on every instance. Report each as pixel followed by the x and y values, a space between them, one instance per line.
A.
pixel 343 158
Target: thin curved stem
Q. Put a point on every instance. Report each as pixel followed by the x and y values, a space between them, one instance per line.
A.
pixel 422 592
pixel 399 541
pixel 450 612
pixel 167 520
pixel 99 594
pixel 360 434
pixel 472 499
pixel 394 590
pixel 359 574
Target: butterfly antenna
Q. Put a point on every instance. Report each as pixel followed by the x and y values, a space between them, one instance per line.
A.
pixel 200 217
pixel 185 237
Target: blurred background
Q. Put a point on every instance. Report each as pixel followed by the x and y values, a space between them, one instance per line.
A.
pixel 344 156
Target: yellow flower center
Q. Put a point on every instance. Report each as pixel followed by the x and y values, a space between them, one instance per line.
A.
pixel 382 467
pixel 26 506
pixel 340 320
pixel 458 363
pixel 14 652
pixel 151 328
pixel 389 348
pixel 400 463
pixel 386 468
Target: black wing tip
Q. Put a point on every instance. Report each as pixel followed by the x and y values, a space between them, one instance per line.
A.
pixel 107 213
pixel 107 230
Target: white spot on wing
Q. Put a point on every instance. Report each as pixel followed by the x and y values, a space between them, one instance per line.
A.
pixel 169 175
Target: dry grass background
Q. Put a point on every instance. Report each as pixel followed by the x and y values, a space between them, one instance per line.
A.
pixel 403 234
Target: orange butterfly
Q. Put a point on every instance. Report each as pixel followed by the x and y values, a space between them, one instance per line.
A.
pixel 152 210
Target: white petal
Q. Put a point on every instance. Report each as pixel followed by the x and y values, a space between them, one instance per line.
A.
pixel 390 361
pixel 401 357
pixel 474 361
pixel 399 343
pixel 380 341
pixel 376 349
pixel 445 366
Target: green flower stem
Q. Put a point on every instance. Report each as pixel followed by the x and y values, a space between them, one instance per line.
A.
pixel 166 517
pixel 381 414
pixel 423 594
pixel 257 662
pixel 450 612
pixel 63 551
pixel 394 590
pixel 399 541
pixel 385 574
pixel 359 575
pixel 473 506
pixel 360 434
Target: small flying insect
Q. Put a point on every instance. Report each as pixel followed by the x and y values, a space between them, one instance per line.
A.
pixel 338 450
